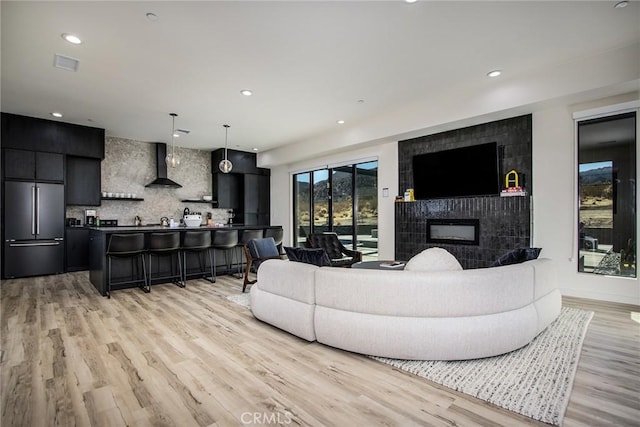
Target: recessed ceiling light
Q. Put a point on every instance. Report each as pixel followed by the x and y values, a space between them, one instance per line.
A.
pixel 340 122
pixel 410 1
pixel 255 148
pixel 621 4
pixel 246 92
pixel 494 73
pixel 71 38
pixel 56 114
pixel 151 16
pixel 176 135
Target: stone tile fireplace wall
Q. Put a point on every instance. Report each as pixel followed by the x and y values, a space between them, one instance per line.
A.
pixel 504 222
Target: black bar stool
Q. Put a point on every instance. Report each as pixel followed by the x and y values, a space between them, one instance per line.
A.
pixel 225 240
pixel 165 245
pixel 277 234
pixel 127 246
pixel 244 238
pixel 197 242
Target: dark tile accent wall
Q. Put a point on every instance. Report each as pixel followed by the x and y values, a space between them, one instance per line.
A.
pixel 505 222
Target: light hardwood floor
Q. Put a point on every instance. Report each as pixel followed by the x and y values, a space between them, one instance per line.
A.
pixel 190 357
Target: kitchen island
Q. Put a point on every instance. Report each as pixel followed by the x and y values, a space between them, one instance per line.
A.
pixel 122 268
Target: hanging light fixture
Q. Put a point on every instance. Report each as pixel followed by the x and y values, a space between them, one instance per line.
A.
pixel 171 159
pixel 225 165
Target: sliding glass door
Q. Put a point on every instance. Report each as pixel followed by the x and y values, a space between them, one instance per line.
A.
pixel 343 200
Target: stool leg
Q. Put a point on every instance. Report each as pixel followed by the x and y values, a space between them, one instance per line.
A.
pixel 144 276
pixel 213 277
pixel 180 283
pixel 109 278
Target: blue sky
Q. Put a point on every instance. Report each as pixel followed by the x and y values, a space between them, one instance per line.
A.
pixel 596 165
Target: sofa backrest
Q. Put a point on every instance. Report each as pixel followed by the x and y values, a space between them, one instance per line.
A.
pixel 433 294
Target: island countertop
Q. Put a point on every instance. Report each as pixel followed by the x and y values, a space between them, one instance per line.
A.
pixel 99 239
pixel 154 228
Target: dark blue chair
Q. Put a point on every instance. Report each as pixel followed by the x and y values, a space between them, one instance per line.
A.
pixel 257 251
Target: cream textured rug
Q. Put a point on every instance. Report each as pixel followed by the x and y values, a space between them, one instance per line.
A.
pixel 241 299
pixel 534 381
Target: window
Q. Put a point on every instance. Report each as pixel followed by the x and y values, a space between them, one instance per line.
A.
pixel 607 195
pixel 343 200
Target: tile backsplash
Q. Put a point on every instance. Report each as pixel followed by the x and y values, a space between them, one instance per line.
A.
pixel 130 165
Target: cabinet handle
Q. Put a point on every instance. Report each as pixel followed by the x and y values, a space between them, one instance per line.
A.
pixel 38 210
pixel 33 210
pixel 18 245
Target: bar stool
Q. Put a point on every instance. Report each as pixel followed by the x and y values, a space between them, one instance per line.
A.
pixel 277 234
pixel 127 246
pixel 244 238
pixel 197 242
pixel 224 240
pixel 165 245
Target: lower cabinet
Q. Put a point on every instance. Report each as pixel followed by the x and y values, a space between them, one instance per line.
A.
pixel 77 246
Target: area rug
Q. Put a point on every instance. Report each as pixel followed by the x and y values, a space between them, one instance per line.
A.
pixel 534 381
pixel 240 299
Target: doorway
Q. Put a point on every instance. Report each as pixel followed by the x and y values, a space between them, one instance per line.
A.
pixel 341 199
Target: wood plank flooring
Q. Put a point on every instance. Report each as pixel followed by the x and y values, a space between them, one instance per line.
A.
pixel 190 357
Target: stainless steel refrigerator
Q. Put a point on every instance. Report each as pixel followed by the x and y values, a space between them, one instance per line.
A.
pixel 34 229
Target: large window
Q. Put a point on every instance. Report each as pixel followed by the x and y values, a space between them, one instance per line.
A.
pixel 607 195
pixel 341 199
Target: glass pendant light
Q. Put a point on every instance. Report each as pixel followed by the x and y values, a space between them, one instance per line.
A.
pixel 225 165
pixel 171 159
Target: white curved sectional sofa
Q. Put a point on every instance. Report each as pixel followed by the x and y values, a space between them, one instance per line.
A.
pixel 442 315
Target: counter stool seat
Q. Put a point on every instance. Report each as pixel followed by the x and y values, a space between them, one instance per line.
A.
pixel 127 246
pixel 165 245
pixel 197 242
pixel 224 240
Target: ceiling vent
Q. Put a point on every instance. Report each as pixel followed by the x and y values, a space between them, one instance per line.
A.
pixel 66 63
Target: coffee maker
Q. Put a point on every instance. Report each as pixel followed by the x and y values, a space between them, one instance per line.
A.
pixel 90 217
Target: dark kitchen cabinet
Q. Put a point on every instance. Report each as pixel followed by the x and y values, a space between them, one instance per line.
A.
pixel 228 190
pixel 33 134
pixel 30 165
pixel 83 181
pixel 77 247
pixel 246 189
pixel 256 199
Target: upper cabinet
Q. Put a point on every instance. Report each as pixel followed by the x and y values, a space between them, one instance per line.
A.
pixel 30 165
pixel 83 181
pixel 246 189
pixel 32 134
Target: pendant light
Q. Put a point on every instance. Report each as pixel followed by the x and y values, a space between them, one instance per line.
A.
pixel 171 159
pixel 225 165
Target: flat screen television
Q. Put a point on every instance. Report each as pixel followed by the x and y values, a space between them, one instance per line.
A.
pixel 466 171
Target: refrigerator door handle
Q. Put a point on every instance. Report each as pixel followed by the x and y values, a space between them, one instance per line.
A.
pixel 33 210
pixel 38 210
pixel 21 245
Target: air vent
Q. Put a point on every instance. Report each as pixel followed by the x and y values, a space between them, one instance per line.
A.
pixel 184 131
pixel 66 63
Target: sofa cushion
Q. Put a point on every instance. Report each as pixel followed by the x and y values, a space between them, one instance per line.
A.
pixel 433 259
pixel 315 256
pixel 516 256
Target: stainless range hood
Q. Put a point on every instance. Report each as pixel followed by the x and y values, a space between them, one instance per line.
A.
pixel 161 169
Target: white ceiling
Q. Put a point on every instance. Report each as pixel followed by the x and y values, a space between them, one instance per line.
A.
pixel 308 62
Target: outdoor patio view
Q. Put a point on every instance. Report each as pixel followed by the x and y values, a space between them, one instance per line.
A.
pixel 343 200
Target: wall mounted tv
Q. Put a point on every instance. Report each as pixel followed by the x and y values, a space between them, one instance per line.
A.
pixel 460 172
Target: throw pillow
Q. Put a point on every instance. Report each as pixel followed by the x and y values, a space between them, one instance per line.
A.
pixel 516 256
pixel 315 256
pixel 433 259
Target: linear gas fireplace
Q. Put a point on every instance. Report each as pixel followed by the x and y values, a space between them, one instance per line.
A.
pixel 453 231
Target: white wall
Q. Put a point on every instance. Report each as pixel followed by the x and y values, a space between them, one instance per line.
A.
pixel 551 95
pixel 554 204
pixel 387 155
